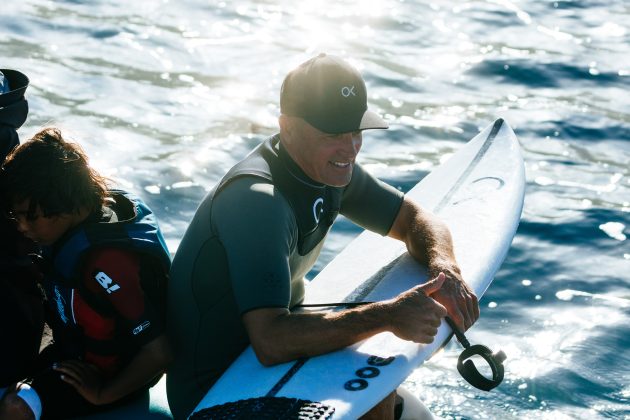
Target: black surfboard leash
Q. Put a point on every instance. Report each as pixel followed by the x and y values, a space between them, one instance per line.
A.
pixel 465 365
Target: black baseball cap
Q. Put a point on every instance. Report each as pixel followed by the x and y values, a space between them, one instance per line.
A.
pixel 18 82
pixel 13 109
pixel 13 104
pixel 330 95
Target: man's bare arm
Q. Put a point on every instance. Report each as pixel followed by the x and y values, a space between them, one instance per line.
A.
pixel 278 335
pixel 429 241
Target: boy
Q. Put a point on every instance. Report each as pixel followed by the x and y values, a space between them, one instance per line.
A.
pixel 105 273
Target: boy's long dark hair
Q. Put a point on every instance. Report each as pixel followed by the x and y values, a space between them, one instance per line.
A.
pixel 53 174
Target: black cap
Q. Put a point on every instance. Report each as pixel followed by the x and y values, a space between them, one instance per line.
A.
pixel 18 82
pixel 13 110
pixel 13 105
pixel 330 95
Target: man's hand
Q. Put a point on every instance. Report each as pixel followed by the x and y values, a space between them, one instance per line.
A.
pixel 84 377
pixel 416 316
pixel 429 241
pixel 458 299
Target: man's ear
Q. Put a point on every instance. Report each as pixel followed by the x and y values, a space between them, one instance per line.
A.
pixel 283 121
pixel 287 128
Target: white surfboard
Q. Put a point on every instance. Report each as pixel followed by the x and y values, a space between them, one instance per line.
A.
pixel 479 193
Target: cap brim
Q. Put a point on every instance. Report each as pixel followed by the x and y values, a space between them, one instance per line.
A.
pixel 372 120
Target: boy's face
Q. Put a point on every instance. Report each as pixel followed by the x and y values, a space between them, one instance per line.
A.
pixel 41 229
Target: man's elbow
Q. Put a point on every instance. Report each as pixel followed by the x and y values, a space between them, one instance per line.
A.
pixel 267 360
pixel 265 356
pixel 264 327
pixel 268 353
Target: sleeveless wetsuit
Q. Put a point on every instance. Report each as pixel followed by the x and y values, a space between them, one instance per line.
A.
pixel 250 244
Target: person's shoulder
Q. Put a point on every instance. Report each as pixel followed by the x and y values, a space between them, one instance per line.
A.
pixel 250 190
pixel 246 183
pixel 251 201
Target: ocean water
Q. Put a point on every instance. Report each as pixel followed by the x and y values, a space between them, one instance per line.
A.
pixel 165 96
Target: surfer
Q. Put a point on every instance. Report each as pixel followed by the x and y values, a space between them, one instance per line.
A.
pixel 21 301
pixel 105 270
pixel 239 270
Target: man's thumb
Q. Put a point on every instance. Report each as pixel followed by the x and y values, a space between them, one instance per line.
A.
pixel 433 285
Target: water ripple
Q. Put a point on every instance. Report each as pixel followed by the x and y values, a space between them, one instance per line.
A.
pixel 166 96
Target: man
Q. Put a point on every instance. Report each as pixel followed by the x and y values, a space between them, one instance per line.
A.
pixel 239 269
pixel 21 301
pixel 105 274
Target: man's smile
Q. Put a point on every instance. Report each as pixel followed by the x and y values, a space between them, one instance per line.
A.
pixel 340 164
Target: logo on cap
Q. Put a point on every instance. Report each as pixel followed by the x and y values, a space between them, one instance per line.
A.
pixel 347 91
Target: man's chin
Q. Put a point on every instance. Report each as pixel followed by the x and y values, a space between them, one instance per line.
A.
pixel 339 179
pixel 338 184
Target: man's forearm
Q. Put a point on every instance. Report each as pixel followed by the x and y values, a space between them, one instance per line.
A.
pixel 429 241
pixel 278 336
pixel 292 335
pixel 427 238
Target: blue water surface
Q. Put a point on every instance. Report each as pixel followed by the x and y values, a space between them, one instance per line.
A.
pixel 165 96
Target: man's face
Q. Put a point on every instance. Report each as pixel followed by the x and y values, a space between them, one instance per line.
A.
pixel 41 229
pixel 325 158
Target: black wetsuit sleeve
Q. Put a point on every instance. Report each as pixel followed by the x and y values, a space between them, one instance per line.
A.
pixel 370 203
pixel 258 231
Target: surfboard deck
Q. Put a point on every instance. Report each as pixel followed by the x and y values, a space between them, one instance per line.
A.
pixel 479 193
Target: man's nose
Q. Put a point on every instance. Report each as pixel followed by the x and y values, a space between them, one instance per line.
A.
pixel 351 143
